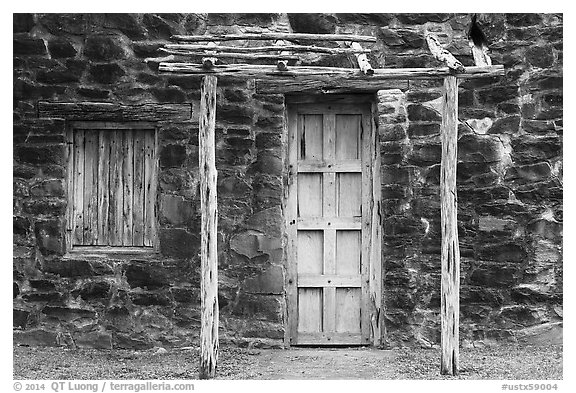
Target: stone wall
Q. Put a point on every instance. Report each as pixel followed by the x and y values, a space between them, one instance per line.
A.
pixel 509 182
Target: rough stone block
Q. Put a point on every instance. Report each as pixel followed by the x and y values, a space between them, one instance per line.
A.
pixel 96 340
pixel 22 23
pixel 142 274
pixel 21 226
pixel 28 46
pixel 36 337
pixel 269 162
pixel 270 122
pixel 402 278
pixel 391 133
pixel 395 191
pixel 177 180
pixel 236 95
pixel 417 130
pixel 246 243
pixel 90 290
pixel 536 193
pixel 172 156
pixel 504 252
pixel 48 188
pixel 176 210
pixel 523 19
pixel 149 299
pixel 20 318
pixel 128 24
pixel 312 23
pixel 419 19
pixel 134 341
pixel 400 299
pixel 542 334
pixel 506 125
pixel 103 48
pixel 422 113
pixel 270 282
pixel 106 73
pixel 49 236
pixel 538 126
pixel 390 37
pixel 259 307
pixel 540 56
pixel 494 276
pixel 61 48
pixel 425 154
pixel 35 155
pixel 179 243
pixel 532 293
pixel 93 93
pixel 268 140
pixel 269 221
pixel 480 295
pixel 531 149
pixel 53 207
pixel 531 172
pixel 520 314
pixel 267 191
pixel 497 94
pixel 68 313
pixel 169 94
pixel 235 113
pixel 186 294
pixel 77 268
pixel 491 224
pixel 157 27
pixel 546 228
pixel 476 148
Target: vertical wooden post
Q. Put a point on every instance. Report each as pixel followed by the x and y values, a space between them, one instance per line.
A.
pixel 208 253
pixel 450 287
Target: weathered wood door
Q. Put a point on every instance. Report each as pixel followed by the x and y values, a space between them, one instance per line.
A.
pixel 329 213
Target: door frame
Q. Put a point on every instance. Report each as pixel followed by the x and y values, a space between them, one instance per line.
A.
pixel 371 217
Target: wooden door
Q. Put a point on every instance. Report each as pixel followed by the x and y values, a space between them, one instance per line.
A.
pixel 329 228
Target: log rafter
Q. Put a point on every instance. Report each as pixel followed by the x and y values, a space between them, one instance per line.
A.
pixel 268 48
pixel 273 37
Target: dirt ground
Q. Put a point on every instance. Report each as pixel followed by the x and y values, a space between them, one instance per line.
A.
pixel 507 362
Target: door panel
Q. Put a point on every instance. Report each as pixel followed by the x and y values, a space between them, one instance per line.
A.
pixel 329 300
pixel 310 195
pixel 348 252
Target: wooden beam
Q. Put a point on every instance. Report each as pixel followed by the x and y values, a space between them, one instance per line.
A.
pixel 183 56
pixel 210 60
pixel 362 59
pixel 450 254
pixel 442 54
pixel 271 48
pixel 108 111
pixel 480 55
pixel 282 64
pixel 208 252
pixel 327 79
pixel 271 72
pixel 274 36
pixel 375 264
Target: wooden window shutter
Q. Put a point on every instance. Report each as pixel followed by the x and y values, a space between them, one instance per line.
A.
pixel 113 177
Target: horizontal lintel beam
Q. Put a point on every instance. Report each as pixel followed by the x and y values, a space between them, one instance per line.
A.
pixel 301 79
pixel 271 71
